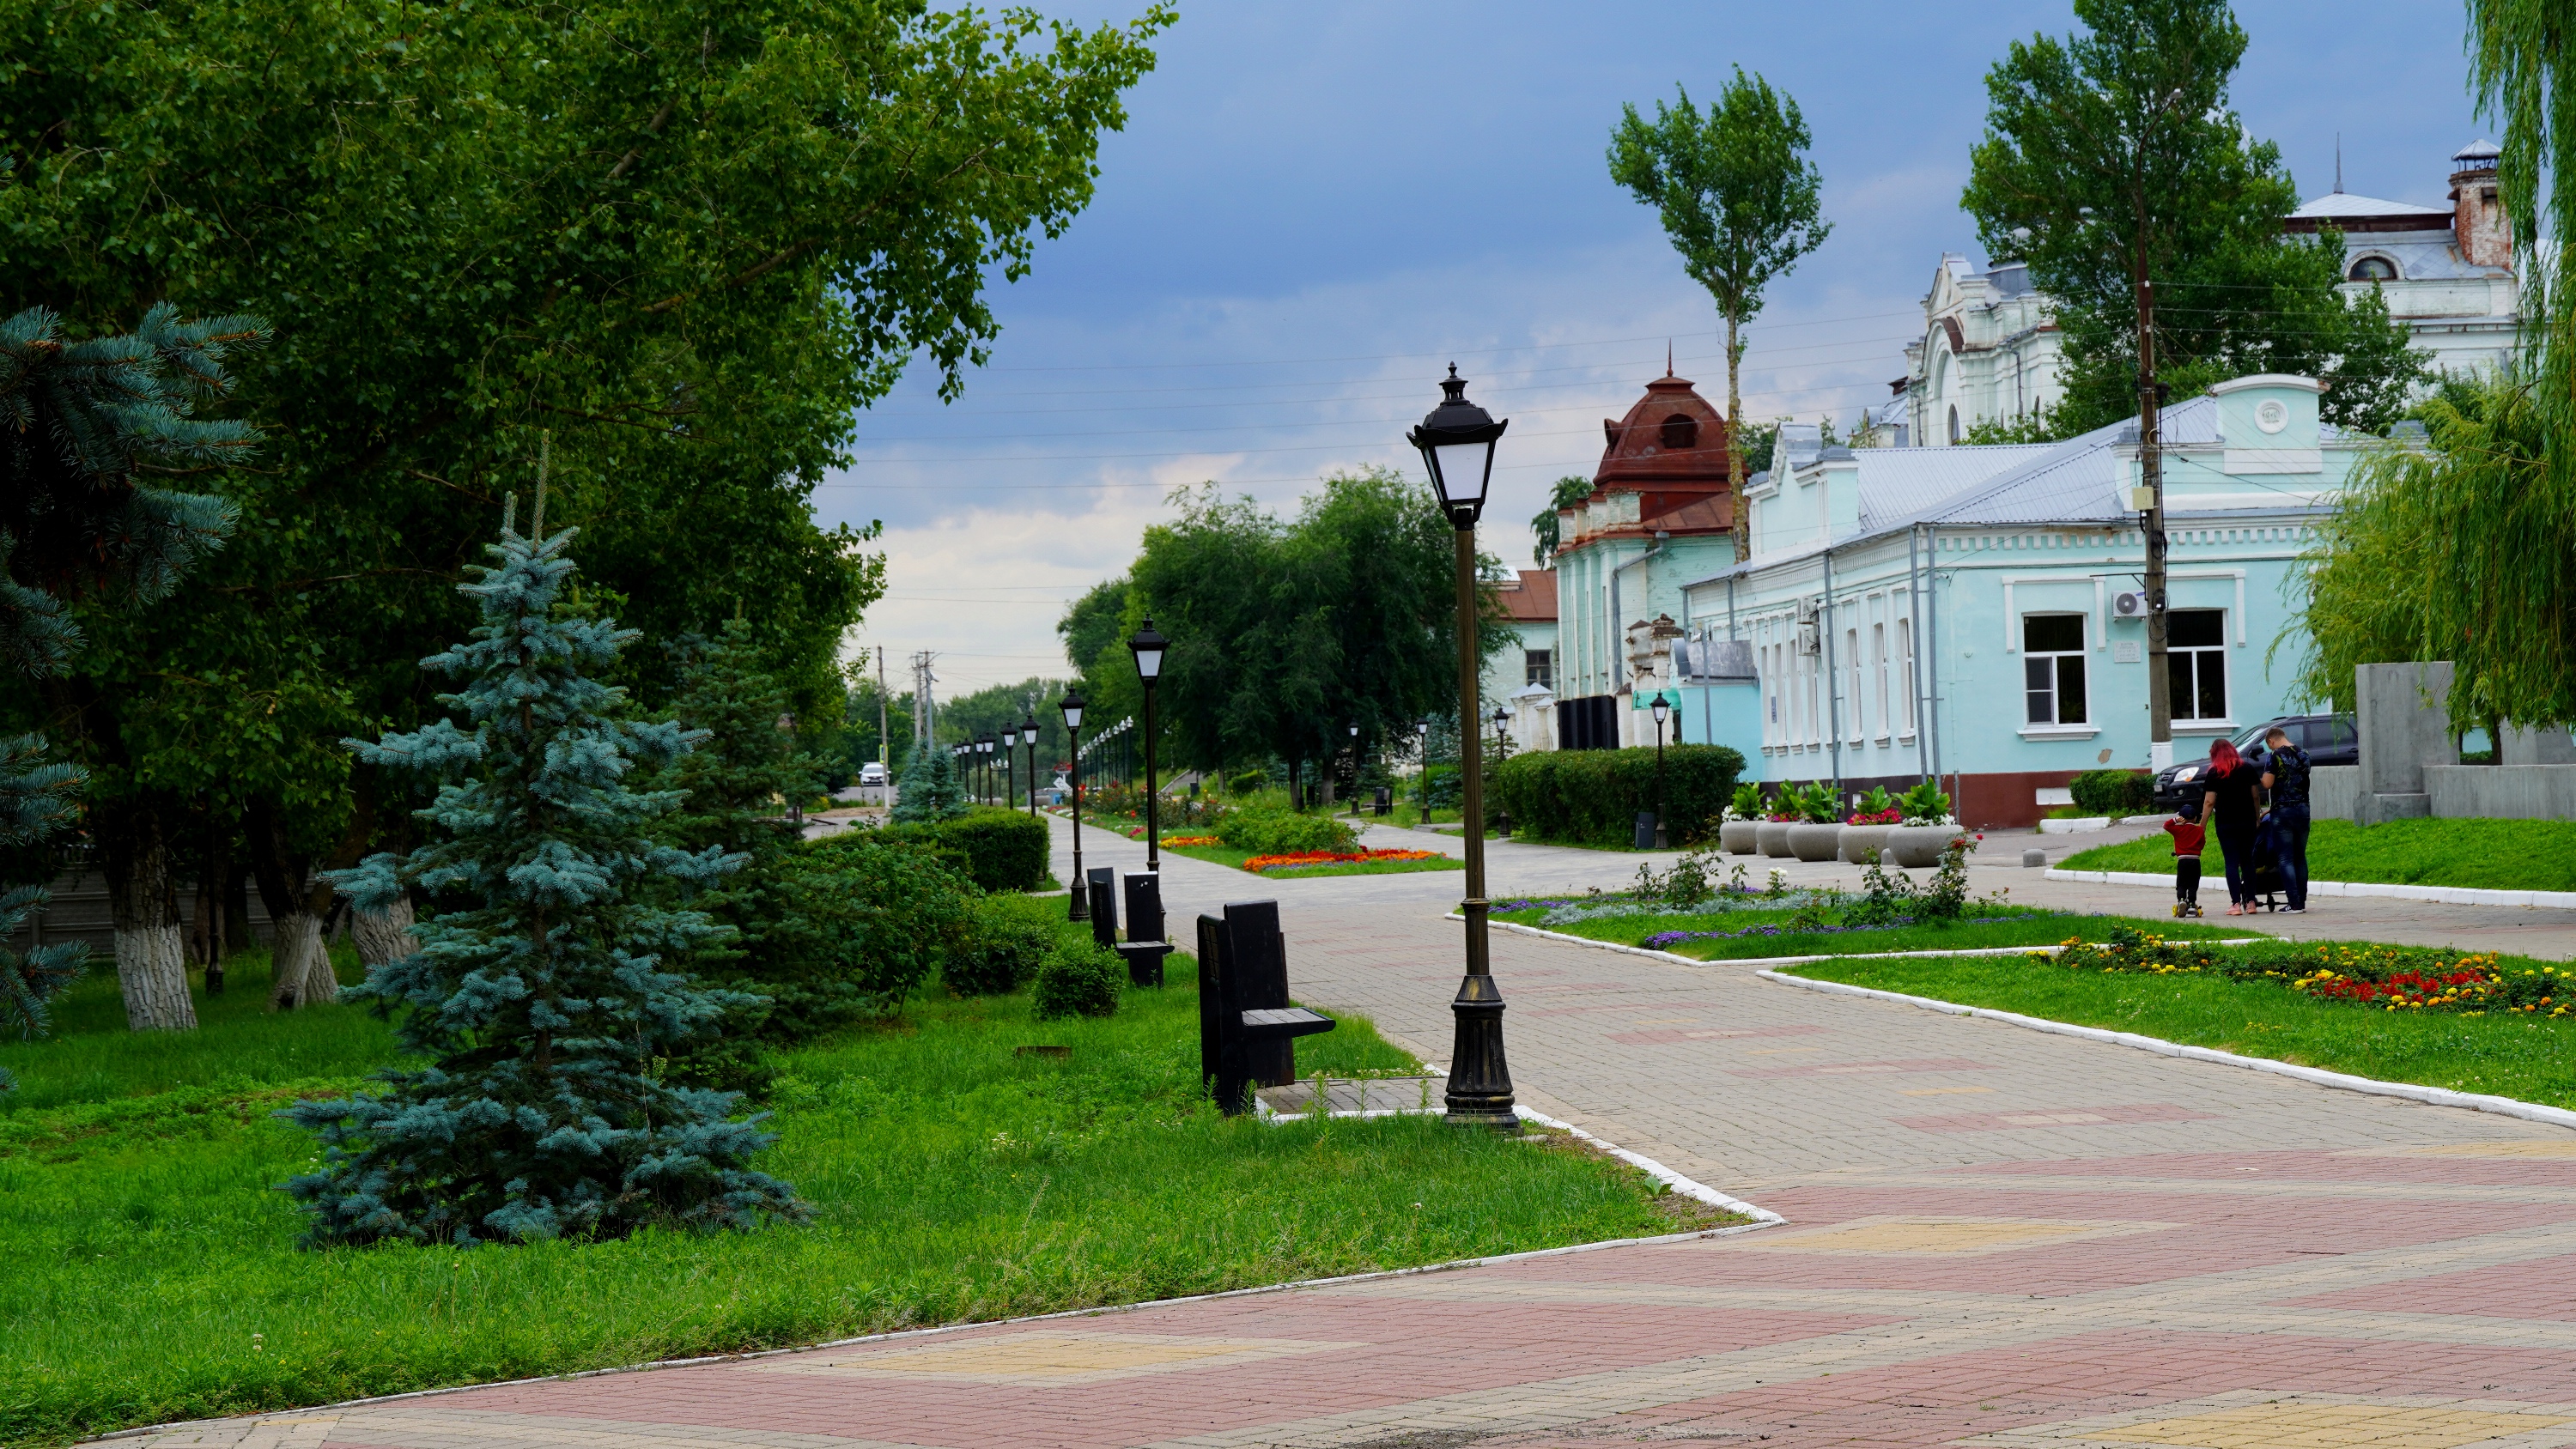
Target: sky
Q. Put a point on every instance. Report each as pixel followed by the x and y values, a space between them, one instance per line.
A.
pixel 1315 206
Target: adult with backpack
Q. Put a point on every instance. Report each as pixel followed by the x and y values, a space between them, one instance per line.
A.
pixel 2285 776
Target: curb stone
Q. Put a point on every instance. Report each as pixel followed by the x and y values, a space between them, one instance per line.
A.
pixel 2341 1081
pixel 2440 895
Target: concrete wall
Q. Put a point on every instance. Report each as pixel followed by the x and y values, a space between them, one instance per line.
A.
pixel 2502 792
pixel 2333 792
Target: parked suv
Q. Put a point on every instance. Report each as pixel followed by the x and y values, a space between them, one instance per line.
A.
pixel 2329 739
pixel 872 774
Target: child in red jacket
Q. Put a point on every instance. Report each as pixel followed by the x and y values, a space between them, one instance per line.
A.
pixel 2187 833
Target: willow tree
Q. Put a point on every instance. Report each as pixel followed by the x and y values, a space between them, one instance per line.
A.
pixel 1738 198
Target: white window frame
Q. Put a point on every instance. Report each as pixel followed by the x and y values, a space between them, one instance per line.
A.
pixel 1857 729
pixel 1878 666
pixel 2226 683
pixel 2057 658
pixel 1905 648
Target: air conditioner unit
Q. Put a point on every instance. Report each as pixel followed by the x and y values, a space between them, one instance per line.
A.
pixel 2128 606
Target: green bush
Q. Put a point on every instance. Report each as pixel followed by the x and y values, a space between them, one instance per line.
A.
pixel 1594 796
pixel 862 922
pixel 1078 978
pixel 2114 792
pixel 997 849
pixel 1279 832
pixel 1003 953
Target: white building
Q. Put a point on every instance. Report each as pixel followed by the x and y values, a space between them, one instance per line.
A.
pixel 1991 353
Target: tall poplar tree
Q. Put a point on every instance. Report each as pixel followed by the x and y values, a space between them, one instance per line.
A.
pixel 544 994
pixel 1738 198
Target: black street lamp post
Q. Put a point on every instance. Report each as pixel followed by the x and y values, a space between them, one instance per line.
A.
pixel 1029 737
pixel 1071 705
pixel 1457 442
pixel 1662 707
pixel 1148 647
pixel 1010 761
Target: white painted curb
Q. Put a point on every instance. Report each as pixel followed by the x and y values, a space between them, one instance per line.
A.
pixel 2444 895
pixel 2434 1096
pixel 1680 960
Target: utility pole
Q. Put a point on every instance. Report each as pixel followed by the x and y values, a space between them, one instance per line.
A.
pixel 882 742
pixel 2151 501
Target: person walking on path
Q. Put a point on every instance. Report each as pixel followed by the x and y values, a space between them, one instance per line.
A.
pixel 2285 777
pixel 2228 804
pixel 2188 835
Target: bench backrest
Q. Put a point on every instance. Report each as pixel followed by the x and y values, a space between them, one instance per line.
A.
pixel 1256 978
pixel 1144 906
pixel 1212 935
pixel 1104 905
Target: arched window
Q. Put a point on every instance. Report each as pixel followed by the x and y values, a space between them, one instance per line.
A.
pixel 1954 423
pixel 2373 269
pixel 1681 430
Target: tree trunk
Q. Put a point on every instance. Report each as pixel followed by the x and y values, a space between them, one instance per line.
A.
pixel 301 974
pixel 386 937
pixel 151 951
pixel 1737 519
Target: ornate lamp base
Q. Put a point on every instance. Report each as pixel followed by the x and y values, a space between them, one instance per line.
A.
pixel 1480 1085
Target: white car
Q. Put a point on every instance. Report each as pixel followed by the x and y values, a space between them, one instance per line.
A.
pixel 872 774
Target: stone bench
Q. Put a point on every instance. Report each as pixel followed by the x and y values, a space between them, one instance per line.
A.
pixel 1247 1029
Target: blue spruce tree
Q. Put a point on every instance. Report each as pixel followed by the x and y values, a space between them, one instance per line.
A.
pixel 539 991
pixel 930 791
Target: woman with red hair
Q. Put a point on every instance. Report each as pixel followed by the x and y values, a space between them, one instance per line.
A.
pixel 2228 807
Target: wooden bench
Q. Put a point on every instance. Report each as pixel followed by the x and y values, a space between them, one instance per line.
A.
pixel 1247 1030
pixel 1144 948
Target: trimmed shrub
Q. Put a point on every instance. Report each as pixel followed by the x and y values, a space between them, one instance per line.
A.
pixel 1002 955
pixel 1279 832
pixel 862 922
pixel 1078 979
pixel 1593 796
pixel 2114 792
pixel 997 849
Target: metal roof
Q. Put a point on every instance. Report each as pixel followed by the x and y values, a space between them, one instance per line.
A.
pixel 2336 205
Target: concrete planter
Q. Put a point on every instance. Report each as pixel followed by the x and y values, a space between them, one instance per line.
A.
pixel 1859 840
pixel 1771 837
pixel 1740 837
pixel 1815 842
pixel 1917 846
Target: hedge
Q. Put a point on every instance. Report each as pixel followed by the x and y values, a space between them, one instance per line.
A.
pixel 2114 792
pixel 998 849
pixel 1594 796
pixel 1278 832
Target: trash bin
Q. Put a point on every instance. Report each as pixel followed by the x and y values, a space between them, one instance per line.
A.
pixel 1645 830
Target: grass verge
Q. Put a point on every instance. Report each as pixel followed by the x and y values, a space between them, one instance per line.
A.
pixel 2504 855
pixel 1777 933
pixel 2520 1057
pixel 148 1270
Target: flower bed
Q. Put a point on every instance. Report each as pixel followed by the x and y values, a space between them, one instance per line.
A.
pixel 1261 863
pixel 1192 840
pixel 2390 978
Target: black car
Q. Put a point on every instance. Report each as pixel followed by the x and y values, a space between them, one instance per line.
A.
pixel 2329 739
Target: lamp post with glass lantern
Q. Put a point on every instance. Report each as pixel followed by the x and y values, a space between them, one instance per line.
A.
pixel 1010 761
pixel 1148 647
pixel 1457 443
pixel 1662 708
pixel 1071 705
pixel 984 749
pixel 1029 737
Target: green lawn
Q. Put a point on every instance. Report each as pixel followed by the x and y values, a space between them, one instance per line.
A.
pixel 148 1270
pixel 1229 856
pixel 2522 1057
pixel 2506 855
pixel 2019 926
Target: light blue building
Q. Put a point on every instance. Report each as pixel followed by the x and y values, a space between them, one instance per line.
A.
pixel 1975 613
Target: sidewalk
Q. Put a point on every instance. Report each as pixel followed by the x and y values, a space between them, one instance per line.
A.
pixel 1996 1237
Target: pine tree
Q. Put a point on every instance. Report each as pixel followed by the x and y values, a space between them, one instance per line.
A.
pixel 541 996
pixel 930 791
pixel 738 780
pixel 36 800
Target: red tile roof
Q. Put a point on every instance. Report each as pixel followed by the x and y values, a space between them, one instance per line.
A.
pixel 1533 599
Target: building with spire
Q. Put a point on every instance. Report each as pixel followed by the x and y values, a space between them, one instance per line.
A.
pixel 1658 516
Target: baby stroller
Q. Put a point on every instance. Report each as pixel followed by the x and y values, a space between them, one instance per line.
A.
pixel 2263 873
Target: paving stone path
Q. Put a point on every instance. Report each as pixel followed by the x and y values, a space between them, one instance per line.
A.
pixel 1995 1237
